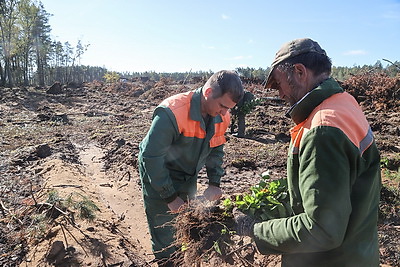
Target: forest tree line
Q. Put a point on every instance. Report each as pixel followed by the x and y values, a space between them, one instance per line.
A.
pixel 259 74
pixel 29 57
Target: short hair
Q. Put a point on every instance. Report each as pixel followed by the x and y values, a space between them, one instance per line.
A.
pixel 226 82
pixel 316 62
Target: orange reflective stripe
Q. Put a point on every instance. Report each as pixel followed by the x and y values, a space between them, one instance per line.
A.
pixel 188 127
pixel 352 120
pixel 180 106
pixel 220 129
pixel 296 134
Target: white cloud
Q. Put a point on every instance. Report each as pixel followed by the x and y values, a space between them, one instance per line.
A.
pixel 225 16
pixel 355 52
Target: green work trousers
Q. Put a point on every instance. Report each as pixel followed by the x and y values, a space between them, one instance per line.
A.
pixel 159 217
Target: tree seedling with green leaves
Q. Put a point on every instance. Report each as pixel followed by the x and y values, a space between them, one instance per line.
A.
pixel 266 200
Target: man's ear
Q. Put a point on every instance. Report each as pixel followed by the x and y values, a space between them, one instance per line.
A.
pixel 300 71
pixel 208 92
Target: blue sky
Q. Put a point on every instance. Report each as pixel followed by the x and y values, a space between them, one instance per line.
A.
pixel 184 35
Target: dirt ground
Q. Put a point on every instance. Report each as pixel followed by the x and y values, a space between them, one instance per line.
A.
pixel 83 144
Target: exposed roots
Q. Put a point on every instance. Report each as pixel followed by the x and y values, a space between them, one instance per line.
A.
pixel 205 235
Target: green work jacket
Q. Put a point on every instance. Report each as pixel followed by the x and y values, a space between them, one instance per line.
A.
pixel 334 185
pixel 179 144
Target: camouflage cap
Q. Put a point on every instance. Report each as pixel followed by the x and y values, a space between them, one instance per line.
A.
pixel 291 49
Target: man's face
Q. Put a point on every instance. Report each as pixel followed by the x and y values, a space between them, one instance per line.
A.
pixel 289 89
pixel 219 105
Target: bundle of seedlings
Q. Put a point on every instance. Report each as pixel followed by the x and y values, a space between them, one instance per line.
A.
pixel 206 233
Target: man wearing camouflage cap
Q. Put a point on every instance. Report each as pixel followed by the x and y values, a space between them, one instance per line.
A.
pixel 333 169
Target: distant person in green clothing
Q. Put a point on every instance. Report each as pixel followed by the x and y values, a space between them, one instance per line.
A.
pixel 186 134
pixel 239 113
pixel 333 169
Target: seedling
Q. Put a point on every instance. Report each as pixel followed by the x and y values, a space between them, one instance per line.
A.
pixel 266 200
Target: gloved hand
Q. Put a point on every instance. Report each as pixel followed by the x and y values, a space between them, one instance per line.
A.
pixel 213 193
pixel 244 224
pixel 176 205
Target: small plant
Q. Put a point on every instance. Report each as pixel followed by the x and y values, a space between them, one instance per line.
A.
pixel 37 228
pixel 247 107
pixel 111 77
pixel 266 200
pixel 392 175
pixel 391 168
pixel 384 162
pixel 391 163
pixel 56 206
pixel 86 208
pixel 53 197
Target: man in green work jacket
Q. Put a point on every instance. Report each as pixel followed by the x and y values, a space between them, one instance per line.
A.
pixel 186 134
pixel 333 169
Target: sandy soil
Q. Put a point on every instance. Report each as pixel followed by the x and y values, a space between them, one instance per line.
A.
pixel 119 235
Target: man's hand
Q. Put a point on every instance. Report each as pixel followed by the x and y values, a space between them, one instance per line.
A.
pixel 244 224
pixel 176 205
pixel 213 193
